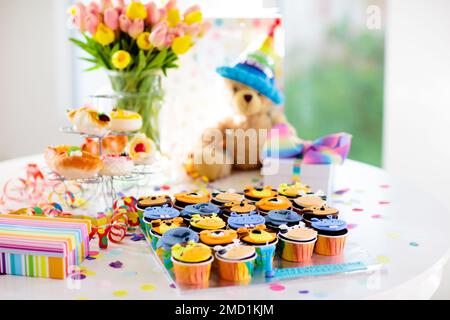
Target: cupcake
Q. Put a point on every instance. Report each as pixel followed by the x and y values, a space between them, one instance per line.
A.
pixel 236 262
pixel 154 201
pixel 256 193
pixel 159 227
pixel 297 243
pixel 245 220
pixel 308 201
pixel 192 263
pixel 186 198
pixel 292 191
pixel 221 198
pixel 157 213
pixel 237 207
pixel 273 203
pixel 199 209
pixel 319 212
pixel 276 218
pixel 171 238
pixel 331 237
pixel 265 243
pixel 217 237
pixel 199 223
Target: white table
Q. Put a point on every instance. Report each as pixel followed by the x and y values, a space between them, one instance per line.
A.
pixel 402 228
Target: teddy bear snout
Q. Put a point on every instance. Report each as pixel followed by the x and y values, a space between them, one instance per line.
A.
pixel 248 97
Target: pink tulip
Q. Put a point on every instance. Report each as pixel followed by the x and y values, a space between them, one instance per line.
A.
pixel 107 4
pixel 94 8
pixel 79 17
pixel 162 13
pixel 193 29
pixel 121 7
pixel 158 34
pixel 172 4
pixel 92 22
pixel 124 23
pixel 179 30
pixel 136 28
pixel 153 13
pixel 111 18
pixel 169 40
pixel 194 8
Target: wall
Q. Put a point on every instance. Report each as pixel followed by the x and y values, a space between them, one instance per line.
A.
pixel 34 75
pixel 417 100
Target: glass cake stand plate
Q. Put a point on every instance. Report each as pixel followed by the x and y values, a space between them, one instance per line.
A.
pixel 353 261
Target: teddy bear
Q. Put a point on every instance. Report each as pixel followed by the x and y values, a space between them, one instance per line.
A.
pixel 256 101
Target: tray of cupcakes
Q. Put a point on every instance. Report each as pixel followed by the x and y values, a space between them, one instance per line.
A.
pixel 257 236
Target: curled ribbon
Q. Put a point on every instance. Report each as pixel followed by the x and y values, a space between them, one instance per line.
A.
pixel 30 189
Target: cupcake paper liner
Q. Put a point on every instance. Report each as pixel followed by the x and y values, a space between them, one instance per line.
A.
pixel 265 254
pixel 297 251
pixel 240 271
pixel 330 245
pixel 192 273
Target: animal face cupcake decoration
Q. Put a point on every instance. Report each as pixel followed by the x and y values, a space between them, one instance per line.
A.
pixel 256 235
pixel 209 222
pixel 217 237
pixel 162 226
pixel 256 193
pixel 160 213
pixel 186 198
pixel 252 219
pixel 274 203
pixel 293 190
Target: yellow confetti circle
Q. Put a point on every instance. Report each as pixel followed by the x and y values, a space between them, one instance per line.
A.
pixel 383 259
pixel 148 287
pixel 120 293
pixel 82 298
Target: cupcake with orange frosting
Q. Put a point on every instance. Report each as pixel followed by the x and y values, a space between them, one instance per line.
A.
pixel 297 243
pixel 214 238
pixel 192 263
pixel 308 201
pixel 160 227
pixel 184 199
pixel 241 207
pixel 222 198
pixel 273 203
pixel 236 262
pixel 265 243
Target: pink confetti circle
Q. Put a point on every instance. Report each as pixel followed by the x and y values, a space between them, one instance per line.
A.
pixel 357 209
pixel 351 226
pixel 93 253
pixel 277 287
pixel 385 186
pixel 376 216
pixel 383 202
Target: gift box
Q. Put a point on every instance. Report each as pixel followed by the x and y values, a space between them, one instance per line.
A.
pixel 317 176
pixel 288 159
pixel 41 246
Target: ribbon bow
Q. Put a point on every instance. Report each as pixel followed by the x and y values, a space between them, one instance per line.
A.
pixel 329 149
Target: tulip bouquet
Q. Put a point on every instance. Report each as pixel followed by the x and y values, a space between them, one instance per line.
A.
pixel 135 43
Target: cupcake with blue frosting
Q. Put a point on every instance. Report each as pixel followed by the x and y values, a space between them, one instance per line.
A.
pixel 201 209
pixel 171 238
pixel 276 218
pixel 157 213
pixel 248 220
pixel 332 235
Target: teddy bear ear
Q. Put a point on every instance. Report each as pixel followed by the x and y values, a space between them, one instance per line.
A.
pixel 260 227
pixel 242 232
pixel 156 223
pixel 178 220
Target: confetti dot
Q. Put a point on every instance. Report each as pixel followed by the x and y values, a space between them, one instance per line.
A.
pixel 172 285
pixel 376 216
pixel 156 188
pixel 78 276
pixel 357 209
pixel 342 191
pixel 383 202
pixel 98 256
pixel 129 273
pixel 385 186
pixel 148 287
pixel 165 187
pixel 303 292
pixel 351 226
pixel 93 253
pixel 90 258
pixel 277 287
pixel 393 235
pixel 413 244
pixel 116 264
pixel 82 298
pixel 383 259
pixel 89 273
pixel 120 293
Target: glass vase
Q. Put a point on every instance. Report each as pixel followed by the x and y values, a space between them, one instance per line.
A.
pixel 140 92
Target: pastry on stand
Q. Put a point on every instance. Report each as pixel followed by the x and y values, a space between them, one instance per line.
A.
pixel 125 121
pixel 88 121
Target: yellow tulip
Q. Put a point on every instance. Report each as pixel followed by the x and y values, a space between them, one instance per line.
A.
pixel 136 10
pixel 173 17
pixel 193 17
pixel 104 35
pixel 181 45
pixel 143 41
pixel 121 59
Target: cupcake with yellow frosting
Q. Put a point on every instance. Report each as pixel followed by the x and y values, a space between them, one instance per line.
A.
pixel 257 193
pixel 214 238
pixel 192 263
pixel 206 222
pixel 297 243
pixel 273 203
pixel 293 190
pixel 125 121
pixel 236 262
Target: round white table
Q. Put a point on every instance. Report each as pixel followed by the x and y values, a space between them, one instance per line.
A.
pixel 399 226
